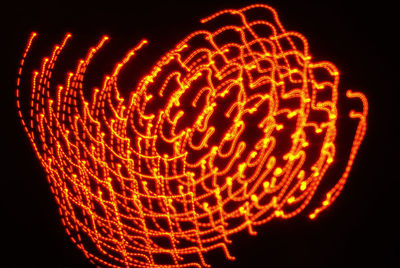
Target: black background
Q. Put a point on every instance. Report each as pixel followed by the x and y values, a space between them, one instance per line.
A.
pixel 359 229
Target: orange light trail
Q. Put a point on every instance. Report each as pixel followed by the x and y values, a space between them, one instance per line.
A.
pixel 233 127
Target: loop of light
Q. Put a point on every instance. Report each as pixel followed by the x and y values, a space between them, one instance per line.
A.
pixel 232 128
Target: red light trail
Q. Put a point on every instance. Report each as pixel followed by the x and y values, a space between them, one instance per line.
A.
pixel 233 127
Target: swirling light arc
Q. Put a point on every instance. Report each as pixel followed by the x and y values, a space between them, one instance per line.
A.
pixel 233 127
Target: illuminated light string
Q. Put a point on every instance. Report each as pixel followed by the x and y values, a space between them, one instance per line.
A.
pixel 233 127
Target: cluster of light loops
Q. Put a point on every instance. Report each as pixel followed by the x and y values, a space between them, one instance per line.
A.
pixel 232 128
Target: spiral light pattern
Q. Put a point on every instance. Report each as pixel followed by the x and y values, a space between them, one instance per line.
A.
pixel 233 127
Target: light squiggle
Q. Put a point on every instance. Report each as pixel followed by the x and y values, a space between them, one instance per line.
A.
pixel 232 128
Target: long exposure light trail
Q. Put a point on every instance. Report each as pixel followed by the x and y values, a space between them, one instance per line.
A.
pixel 233 127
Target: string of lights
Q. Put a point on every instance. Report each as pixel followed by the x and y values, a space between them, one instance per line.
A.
pixel 233 127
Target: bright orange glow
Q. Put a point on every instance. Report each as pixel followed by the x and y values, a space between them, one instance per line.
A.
pixel 233 127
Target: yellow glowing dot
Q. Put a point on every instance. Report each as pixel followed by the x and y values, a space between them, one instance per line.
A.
pixel 278 171
pixel 241 210
pixel 254 198
pixel 266 185
pixel 291 199
pixel 271 162
pixel 303 186
pixel 301 174
pixel 242 167
pixel 217 191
